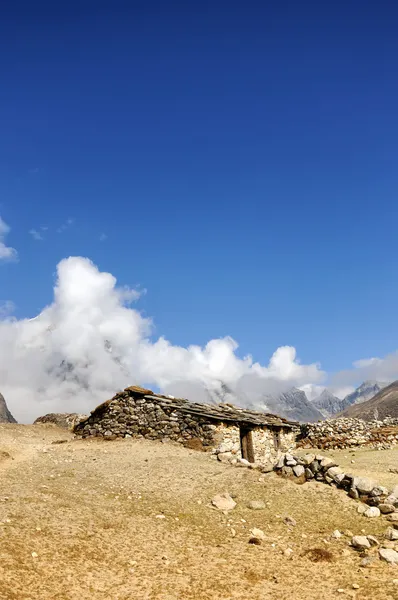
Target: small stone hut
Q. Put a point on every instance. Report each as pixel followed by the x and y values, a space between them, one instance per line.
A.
pixel 222 428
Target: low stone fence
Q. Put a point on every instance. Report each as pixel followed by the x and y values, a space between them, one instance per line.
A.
pixel 320 468
pixel 347 433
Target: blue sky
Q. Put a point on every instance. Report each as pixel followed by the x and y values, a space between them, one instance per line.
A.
pixel 241 160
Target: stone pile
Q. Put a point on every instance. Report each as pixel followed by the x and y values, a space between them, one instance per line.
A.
pixel 348 433
pixel 320 468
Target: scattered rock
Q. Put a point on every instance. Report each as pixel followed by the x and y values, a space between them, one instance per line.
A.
pixel 290 521
pixel 367 561
pixel 360 542
pixel 386 509
pixel 372 512
pixel 390 556
pixel 372 540
pixel 393 518
pixel 258 533
pixel 391 534
pixel 223 502
pixel 336 534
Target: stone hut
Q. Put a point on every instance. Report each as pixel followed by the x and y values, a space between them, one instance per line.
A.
pixel 221 428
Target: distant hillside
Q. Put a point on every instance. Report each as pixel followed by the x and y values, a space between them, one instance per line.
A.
pixel 5 415
pixel 383 404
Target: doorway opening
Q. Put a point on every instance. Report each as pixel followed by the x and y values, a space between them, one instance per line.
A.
pixel 246 444
pixel 277 439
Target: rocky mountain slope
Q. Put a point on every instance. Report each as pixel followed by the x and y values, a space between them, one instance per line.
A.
pixel 328 404
pixel 5 415
pixel 383 404
pixel 292 404
pixel 364 392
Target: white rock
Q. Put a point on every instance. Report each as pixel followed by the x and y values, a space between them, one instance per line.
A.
pixel 258 533
pixel 336 534
pixel 223 502
pixel 308 458
pixel 391 534
pixel 364 485
pixel 362 508
pixel 390 556
pixel 360 541
pixel 372 512
pixel 224 456
pixel 298 470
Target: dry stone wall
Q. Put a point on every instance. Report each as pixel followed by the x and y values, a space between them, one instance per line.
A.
pixel 320 468
pixel 129 416
pixel 347 433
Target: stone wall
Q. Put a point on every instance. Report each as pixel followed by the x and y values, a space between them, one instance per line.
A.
pixel 320 468
pixel 129 416
pixel 265 450
pixel 347 433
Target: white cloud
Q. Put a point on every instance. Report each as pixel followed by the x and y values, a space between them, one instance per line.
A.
pixel 103 237
pixel 68 223
pixel 89 343
pixel 36 235
pixel 6 252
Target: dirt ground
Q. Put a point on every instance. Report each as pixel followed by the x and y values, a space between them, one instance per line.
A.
pixel 131 520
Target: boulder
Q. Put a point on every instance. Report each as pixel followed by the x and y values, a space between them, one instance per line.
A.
pixel 223 502
pixel 360 542
pixel 308 459
pixel 391 534
pixel 386 509
pixel 393 518
pixel 372 512
pixel 364 485
pixel 390 556
pixel 298 470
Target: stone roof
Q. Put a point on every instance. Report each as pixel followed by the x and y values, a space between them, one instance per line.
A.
pixel 218 412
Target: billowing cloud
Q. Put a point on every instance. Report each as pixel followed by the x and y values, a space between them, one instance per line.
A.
pixel 89 343
pixel 6 252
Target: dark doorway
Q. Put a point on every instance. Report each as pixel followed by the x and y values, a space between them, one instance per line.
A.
pixel 277 439
pixel 246 444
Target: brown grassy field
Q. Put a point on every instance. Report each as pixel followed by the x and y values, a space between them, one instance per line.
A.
pixel 131 520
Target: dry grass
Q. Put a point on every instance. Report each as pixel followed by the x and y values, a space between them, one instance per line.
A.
pixel 90 511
